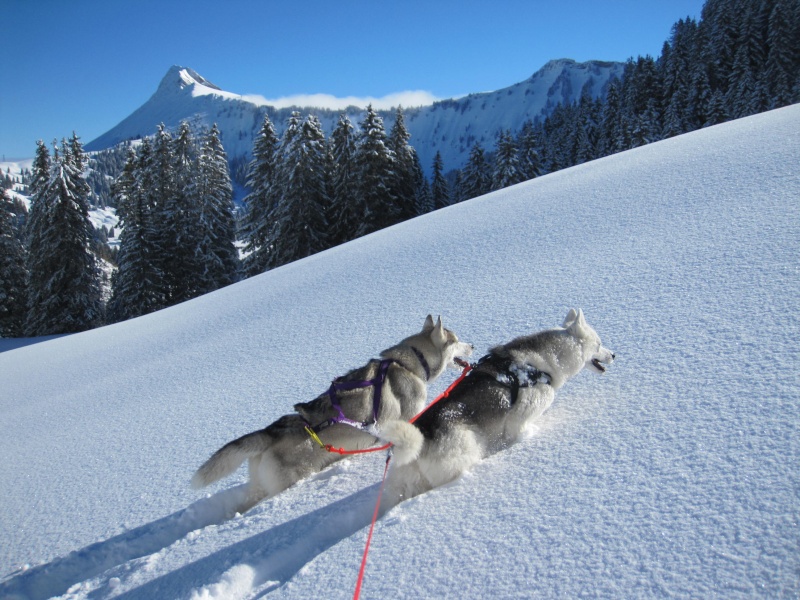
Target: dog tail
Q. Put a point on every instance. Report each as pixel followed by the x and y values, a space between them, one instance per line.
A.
pixel 228 458
pixel 407 440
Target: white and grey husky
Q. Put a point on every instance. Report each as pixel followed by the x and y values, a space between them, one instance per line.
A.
pixel 506 390
pixel 386 389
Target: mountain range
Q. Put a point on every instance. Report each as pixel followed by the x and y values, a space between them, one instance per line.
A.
pixel 449 127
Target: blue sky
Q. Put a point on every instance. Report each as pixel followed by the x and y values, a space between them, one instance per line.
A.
pixel 85 65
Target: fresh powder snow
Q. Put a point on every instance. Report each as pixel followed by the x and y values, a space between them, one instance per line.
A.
pixel 674 474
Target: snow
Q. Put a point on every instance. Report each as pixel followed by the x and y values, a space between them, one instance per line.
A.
pixel 674 474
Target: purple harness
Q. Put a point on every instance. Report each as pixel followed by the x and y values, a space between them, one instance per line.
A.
pixel 343 386
pixel 338 385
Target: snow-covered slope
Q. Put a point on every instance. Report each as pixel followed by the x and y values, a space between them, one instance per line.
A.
pixel 675 474
pixel 450 127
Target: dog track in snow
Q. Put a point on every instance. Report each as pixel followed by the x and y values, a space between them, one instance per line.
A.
pixel 56 577
pixel 253 567
pixel 260 564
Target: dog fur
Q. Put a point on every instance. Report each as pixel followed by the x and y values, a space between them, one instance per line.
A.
pixel 480 416
pixel 283 453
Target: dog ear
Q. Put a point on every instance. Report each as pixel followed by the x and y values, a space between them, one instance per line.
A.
pixel 570 318
pixel 578 326
pixel 438 336
pixel 428 326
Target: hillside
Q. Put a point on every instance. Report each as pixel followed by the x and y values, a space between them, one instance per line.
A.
pixel 449 126
pixel 674 474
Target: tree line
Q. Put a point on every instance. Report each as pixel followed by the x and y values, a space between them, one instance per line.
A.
pixel 51 279
pixel 174 199
pixel 741 58
pixel 308 193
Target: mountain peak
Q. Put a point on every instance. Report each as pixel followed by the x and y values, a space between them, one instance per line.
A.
pixel 178 78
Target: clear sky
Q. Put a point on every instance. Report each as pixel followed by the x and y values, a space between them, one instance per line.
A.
pixel 85 65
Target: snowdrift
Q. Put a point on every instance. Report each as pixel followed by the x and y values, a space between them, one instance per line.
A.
pixel 675 474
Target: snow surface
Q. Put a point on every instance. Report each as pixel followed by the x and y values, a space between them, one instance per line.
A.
pixel 675 474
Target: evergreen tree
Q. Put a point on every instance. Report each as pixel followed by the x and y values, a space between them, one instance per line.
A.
pixel 475 178
pixel 584 141
pixel 281 250
pixel 528 144
pixel 440 191
pixel 346 214
pixel 742 98
pixel 457 188
pixel 138 282
pixel 37 217
pixel 215 252
pixel 506 162
pixel 13 296
pixel 156 182
pixel 374 166
pixel 783 59
pixel 260 201
pixel 610 138
pixel 422 190
pixel 304 192
pixel 404 189
pixel 176 214
pixel 64 292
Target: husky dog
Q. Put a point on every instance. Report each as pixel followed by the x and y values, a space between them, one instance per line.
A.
pixel 506 390
pixel 390 388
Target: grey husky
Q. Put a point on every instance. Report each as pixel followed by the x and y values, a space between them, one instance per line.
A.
pixel 489 409
pixel 345 416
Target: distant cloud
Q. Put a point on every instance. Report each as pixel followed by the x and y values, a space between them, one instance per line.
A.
pixel 406 99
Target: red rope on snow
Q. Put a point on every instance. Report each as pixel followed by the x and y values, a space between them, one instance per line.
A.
pixel 361 571
pixel 363 568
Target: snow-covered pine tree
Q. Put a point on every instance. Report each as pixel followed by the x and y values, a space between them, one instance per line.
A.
pixel 782 66
pixel 346 214
pixel 215 252
pixel 742 98
pixel 35 224
pixel 530 163
pixel 281 226
pixel 475 178
pixel 13 293
pixel 404 189
pixel 610 123
pixel 506 162
pixel 175 213
pixel 440 191
pixel 64 292
pixel 304 193
pixel 374 167
pixel 423 196
pixel 184 211
pixel 259 202
pixel 422 189
pixel 137 285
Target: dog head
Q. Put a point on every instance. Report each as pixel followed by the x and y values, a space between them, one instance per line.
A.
pixel 595 355
pixel 446 341
pixel 435 347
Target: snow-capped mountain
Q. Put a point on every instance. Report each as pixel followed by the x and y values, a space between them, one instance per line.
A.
pixel 449 126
